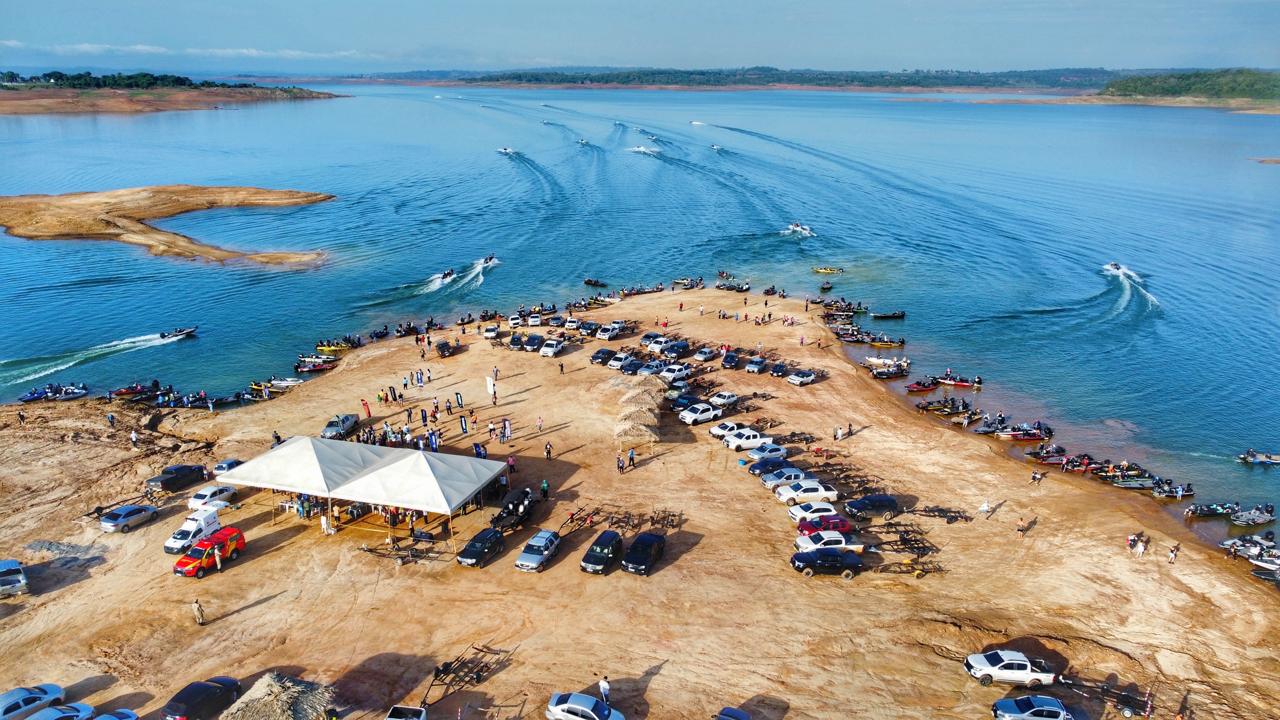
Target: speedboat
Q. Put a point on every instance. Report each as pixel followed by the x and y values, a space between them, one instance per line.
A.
pixel 592 282
pixel 180 332
pixel 507 151
pixel 958 381
pixel 1250 545
pixel 1211 510
pixel 71 392
pixel 1256 458
pixel 313 367
pixel 869 361
pixel 895 315
pixel 644 150
pixel 827 270
pixel 1259 515
pixel 1167 490
pixel 825 287
pixel 318 358
pixel 583 141
pixel 490 259
pixel 925 385
pixel 1146 483
pixel 286 382
pixel 796 228
pixel 1025 433
pixel 128 390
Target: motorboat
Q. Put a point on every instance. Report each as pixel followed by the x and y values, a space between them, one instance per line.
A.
pixel 1023 432
pixel 583 141
pixel 798 229
pixel 888 373
pixel 826 270
pixel 509 152
pixel 316 358
pixel 313 367
pixel 717 148
pixel 180 332
pixel 869 361
pixel 1146 483
pixel 1258 515
pixel 466 319
pixel 490 259
pixel 128 390
pixel 1252 457
pixel 70 392
pixel 1167 490
pixel 286 382
pixel 1204 510
pixel 644 150
pixel 1250 545
pixel 954 380
pixel 887 343
pixel 825 287
pixel 592 282
pixel 926 385
pixel 1043 452
pixel 33 395
pixel 895 315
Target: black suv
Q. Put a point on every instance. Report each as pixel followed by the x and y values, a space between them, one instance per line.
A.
pixel 603 554
pixel 645 552
pixel 177 477
pixel 602 356
pixel 485 546
pixel 886 506
pixel 827 561
pixel 203 700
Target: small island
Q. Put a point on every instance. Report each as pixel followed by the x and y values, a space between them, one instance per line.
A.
pixel 120 215
pixel 58 92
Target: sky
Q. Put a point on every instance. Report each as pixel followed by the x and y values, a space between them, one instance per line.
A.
pixel 341 36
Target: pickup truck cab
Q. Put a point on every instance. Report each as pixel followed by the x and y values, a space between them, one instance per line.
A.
pixel 340 426
pixel 700 413
pixel 745 439
pixel 177 477
pixel 406 712
pixel 674 372
pixel 551 348
pixel 203 556
pixel 13 579
pixel 608 332
pixel 1009 667
pixel 491 332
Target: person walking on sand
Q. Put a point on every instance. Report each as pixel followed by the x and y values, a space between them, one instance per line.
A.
pixel 448 407
pixel 133 438
pixel 1141 549
pixel 493 430
pixel 22 418
pixel 604 689
pixel 511 464
pixel 545 487
pixel 621 465
pixel 631 458
pixel 495 373
pixel 1173 552
pixel 1022 529
pixel 111 420
pixel 198 611
pixel 546 450
pixel 562 367
pixel 539 423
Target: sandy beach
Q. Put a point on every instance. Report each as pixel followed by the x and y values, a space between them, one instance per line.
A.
pixel 723 621
pixel 1240 105
pixel 39 101
pixel 121 215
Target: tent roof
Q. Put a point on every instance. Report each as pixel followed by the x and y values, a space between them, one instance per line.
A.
pixel 431 482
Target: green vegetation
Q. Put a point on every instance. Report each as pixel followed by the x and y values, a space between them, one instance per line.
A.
pixel 1062 78
pixel 132 81
pixel 1223 84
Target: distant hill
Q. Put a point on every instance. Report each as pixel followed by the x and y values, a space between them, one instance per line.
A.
pixel 1221 84
pixel 1057 78
pixel 118 81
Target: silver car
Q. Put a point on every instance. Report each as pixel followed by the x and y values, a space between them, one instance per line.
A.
pixel 24 702
pixel 538 551
pixel 13 580
pixel 1030 707
pixel 127 517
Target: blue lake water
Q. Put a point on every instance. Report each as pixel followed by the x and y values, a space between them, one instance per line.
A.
pixel 990 224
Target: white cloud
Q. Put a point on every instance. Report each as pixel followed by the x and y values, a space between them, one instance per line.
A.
pixel 12 44
pixel 140 49
pixel 101 49
pixel 283 54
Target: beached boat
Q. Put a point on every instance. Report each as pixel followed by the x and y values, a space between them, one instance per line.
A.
pixel 825 270
pixel 1211 510
pixel 1146 483
pixel 330 348
pixel 888 373
pixel 895 315
pixel 128 390
pixel 1040 453
pixel 888 343
pixel 180 332
pixel 70 392
pixel 33 395
pixel 958 381
pixel 1166 490
pixel 317 358
pixel 313 367
pixel 1025 433
pixel 286 382
pixel 465 319
pixel 870 361
pixel 1258 515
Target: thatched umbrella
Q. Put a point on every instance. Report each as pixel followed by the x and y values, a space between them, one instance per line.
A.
pixel 633 434
pixel 650 382
pixel 643 415
pixel 642 396
pixel 280 697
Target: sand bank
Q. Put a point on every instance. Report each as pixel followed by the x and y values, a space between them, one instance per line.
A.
pixel 1253 107
pixel 120 215
pixel 36 101
pixel 723 621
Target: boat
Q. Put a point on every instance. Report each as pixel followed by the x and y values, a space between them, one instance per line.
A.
pixel 1267 559
pixel 826 270
pixel 1146 483
pixel 1041 453
pixel 796 228
pixel 1023 432
pixel 379 334
pixel 509 152
pixel 128 390
pixel 238 398
pixel 583 141
pixel 1079 464
pixel 873 362
pixel 466 319
pixel 447 274
pixel 318 358
pixel 313 367
pixel 1167 490
pixel 888 373
pixel 931 405
pixel 180 332
pixel 717 148
pixel 1211 510
pixel 1250 545
pixel 957 381
pixel 825 287
pixel 1259 515
pixel 644 150
pixel 286 382
pixel 1251 457
pixel 490 259
pixel 886 343
pixel 71 392
pixel 895 315
pixel 592 282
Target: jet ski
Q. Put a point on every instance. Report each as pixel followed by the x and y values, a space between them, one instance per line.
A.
pixel 509 152
pixel 34 394
pixel 128 390
pixel 180 332
pixel 796 228
pixel 71 392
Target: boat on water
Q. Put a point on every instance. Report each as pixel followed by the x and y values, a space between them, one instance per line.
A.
pixel 1167 490
pixel 826 270
pixel 489 259
pixel 641 149
pixel 798 230
pixel 1258 515
pixel 890 372
pixel 1204 510
pixel 1046 451
pixel 583 141
pixel 314 367
pixel 592 282
pixel 286 382
pixel 466 319
pixel 1252 457
pixel 180 332
pixel 958 381
pixel 1146 483
pixel 870 361
pixel 717 148
pixel 128 390
pixel 895 315
pixel 888 343
pixel 926 385
pixel 1250 545
pixel 316 358
pixel 71 392
pixel 509 152
pixel 1035 432
pixel 825 287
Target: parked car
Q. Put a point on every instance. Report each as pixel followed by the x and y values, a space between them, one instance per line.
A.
pixel 677 371
pixel 827 561
pixel 846 542
pixel 684 401
pixel 766 451
pixel 801 377
pixel 551 348
pixel 783 477
pixel 725 428
pixel 538 551
pixel 590 328
pixel 483 547
pixel 406 712
pixel 13 581
pixel 730 713
pixel 225 465
pixel 603 554
pixel 491 332
pixel 810 511
pixel 700 413
pixel 579 706
pixel 645 552
pixel 824 523
pixel 532 342
pixel 724 399
pixel 608 332
pixel 779 370
pixel 806 491
pixel 648 338
pixel 127 517
pixel 117 715
pixel 677 388
pixel 202 700
pixel 515 321
pixel 340 426
pixel 867 506
pixel 676 350
pixel 729 361
pixel 705 354
pixel 653 367
pixel 203 555
pixel 631 367
pixel 1029 707
pixel 618 360
pixel 556 321
pixel 198 525
pixel 210 494
pixel 660 345
pixel 755 365
pixel 73 711
pixel 602 356
pixel 745 439
pixel 176 477
pixel 572 323
pixel 769 465
pixel 23 702
pixel 1010 667
pixel 533 320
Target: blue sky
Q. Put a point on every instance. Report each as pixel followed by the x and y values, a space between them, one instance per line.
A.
pixel 381 35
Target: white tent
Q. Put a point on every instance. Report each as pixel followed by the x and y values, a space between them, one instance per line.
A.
pixel 430 482
pixel 341 470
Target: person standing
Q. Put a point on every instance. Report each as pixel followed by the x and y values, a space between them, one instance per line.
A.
pixel 22 418
pixel 198 611
pixel 217 557
pixel 545 487
pixel 631 458
pixel 539 423
pixel 604 689
pixel 1173 552
pixel 428 374
pixel 133 438
pixel 562 367
pixel 1142 548
pixel 448 406
pixel 1022 529
pixel 493 430
pixel 495 373
pixel 511 464
pixel 546 450
pixel 111 420
pixel 621 465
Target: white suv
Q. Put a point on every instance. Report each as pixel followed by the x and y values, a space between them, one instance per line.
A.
pixel 551 348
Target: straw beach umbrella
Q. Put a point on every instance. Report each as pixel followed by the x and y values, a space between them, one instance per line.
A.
pixel 632 434
pixel 280 697
pixel 642 415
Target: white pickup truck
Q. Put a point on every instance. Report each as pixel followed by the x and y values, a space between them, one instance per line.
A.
pixel 745 439
pixel 1009 667
pixel 406 712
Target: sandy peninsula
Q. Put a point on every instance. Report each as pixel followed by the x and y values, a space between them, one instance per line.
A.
pixel 723 621
pixel 1240 105
pixel 36 101
pixel 121 215
pixel 1268 160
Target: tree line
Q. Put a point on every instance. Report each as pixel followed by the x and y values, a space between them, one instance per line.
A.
pixel 1234 83
pixel 122 81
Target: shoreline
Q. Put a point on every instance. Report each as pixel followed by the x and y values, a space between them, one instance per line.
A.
pixel 121 215
pixel 41 101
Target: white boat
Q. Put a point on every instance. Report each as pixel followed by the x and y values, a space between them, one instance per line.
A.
pixel 286 382
pixel 583 141
pixel 1249 546
pixel 1259 515
pixel 1267 559
pixel 507 151
pixel 696 122
pixel 796 228
pixel 717 148
pixel 882 362
pixel 644 150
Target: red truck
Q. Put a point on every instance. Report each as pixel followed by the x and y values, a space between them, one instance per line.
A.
pixel 203 556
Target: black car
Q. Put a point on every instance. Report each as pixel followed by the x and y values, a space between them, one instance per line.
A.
pixel 483 547
pixel 886 506
pixel 730 361
pixel 779 370
pixel 631 367
pixel 444 349
pixel 683 401
pixel 768 465
pixel 177 477
pixel 827 561
pixel 603 554
pixel 589 328
pixel 645 552
pixel 202 700
pixel 602 356
pixel 677 350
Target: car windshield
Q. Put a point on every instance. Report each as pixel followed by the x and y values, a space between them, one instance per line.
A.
pixel 182 535
pixel 602 549
pixel 196 553
pixel 600 710
pixel 992 658
pixel 477 545
pixel 1024 704
pixel 10 573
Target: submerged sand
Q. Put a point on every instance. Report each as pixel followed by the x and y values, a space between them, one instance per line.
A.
pixel 724 620
pixel 121 215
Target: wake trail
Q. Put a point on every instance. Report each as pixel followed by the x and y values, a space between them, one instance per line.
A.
pixel 19 370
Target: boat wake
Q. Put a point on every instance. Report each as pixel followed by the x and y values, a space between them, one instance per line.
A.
pixel 20 370
pixel 1132 283
pixel 469 279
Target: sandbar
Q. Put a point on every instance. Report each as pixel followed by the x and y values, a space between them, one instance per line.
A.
pixel 39 101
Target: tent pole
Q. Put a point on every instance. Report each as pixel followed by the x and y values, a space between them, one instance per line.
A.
pixel 449 523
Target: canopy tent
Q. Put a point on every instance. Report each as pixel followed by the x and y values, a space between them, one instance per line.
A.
pixel 373 474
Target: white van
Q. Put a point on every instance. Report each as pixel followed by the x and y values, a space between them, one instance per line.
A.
pixel 199 524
